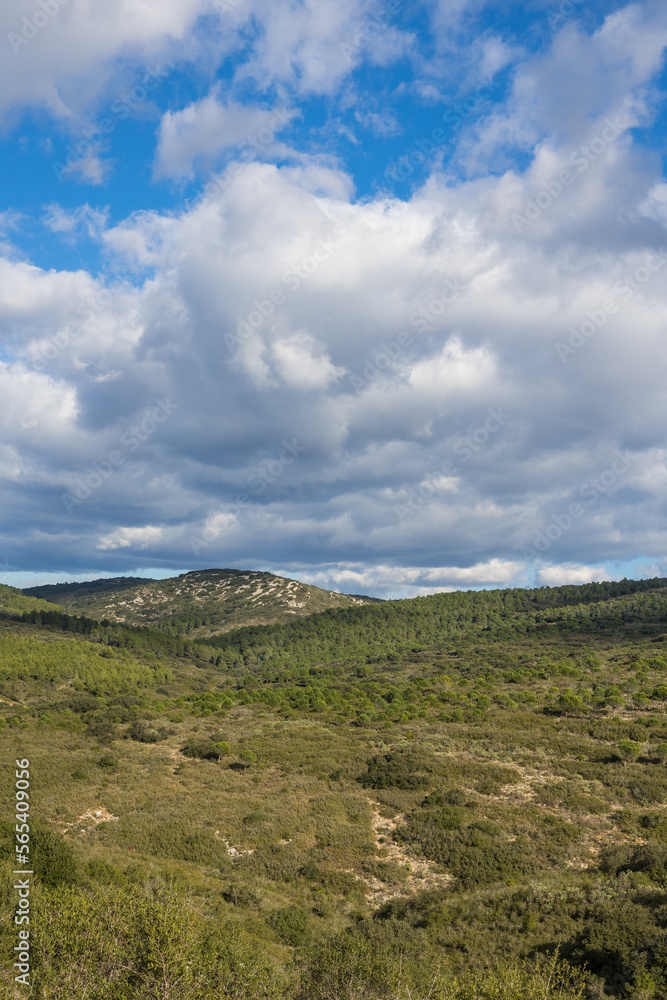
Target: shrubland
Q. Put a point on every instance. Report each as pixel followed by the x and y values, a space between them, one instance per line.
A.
pixel 459 796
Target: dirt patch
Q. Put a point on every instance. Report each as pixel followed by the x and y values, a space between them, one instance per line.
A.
pixel 236 852
pixel 89 820
pixel 421 873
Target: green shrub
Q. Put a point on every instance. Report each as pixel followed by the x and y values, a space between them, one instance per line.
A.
pixel 201 749
pixel 622 939
pixel 645 858
pixel 239 894
pixel 404 769
pixel 52 858
pixel 103 731
pixel 140 943
pixel 108 760
pixel 292 925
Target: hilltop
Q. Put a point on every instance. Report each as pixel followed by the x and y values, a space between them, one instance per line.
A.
pixel 201 603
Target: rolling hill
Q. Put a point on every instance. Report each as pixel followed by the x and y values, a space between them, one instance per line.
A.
pixel 454 796
pixel 201 603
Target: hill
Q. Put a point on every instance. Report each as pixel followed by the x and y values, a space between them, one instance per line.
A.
pixel 12 600
pixel 201 603
pixel 392 629
pixel 455 796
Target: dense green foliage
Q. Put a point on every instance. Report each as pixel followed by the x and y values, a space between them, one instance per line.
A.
pixel 393 628
pixel 457 797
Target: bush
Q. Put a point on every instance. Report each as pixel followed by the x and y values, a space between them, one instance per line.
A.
pixel 108 760
pixel 480 866
pixel 139 943
pixel 621 940
pixel 292 925
pixel 405 769
pixel 361 964
pixel 103 731
pixel 646 858
pixel 201 750
pixel 52 858
pixel 143 733
pixel 239 894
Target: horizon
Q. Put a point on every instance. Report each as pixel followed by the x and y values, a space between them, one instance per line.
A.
pixel 427 593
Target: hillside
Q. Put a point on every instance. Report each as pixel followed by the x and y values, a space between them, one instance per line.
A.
pixel 201 603
pixel 393 629
pixel 456 796
pixel 13 600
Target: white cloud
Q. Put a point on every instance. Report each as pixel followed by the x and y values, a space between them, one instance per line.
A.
pixel 380 124
pixel 392 581
pixel 559 576
pixel 82 55
pixel 204 129
pixel 421 424
pixel 69 223
pixel 302 362
pixel 454 370
pixel 44 66
pixel 375 339
pixel 312 45
pixel 564 97
pixel 134 538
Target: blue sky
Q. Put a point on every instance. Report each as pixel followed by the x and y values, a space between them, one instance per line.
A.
pixel 367 294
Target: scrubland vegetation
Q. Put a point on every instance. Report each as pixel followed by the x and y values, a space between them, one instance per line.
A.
pixel 459 796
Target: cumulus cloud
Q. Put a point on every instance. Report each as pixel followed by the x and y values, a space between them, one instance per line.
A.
pixel 302 362
pixel 206 128
pixel 49 53
pixel 410 581
pixel 558 576
pixel 562 99
pixel 69 57
pixel 71 223
pixel 371 394
pixel 135 538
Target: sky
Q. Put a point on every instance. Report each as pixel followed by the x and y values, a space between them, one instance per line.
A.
pixel 371 295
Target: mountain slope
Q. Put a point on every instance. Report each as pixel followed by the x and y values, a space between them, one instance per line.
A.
pixel 370 782
pixel 201 603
